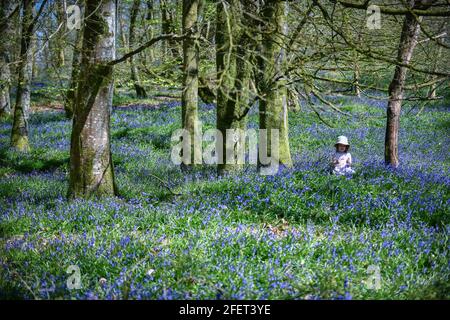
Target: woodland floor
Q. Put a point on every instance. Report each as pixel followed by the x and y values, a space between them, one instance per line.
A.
pixel 299 234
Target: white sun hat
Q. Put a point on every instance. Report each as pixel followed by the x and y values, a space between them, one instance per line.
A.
pixel 342 140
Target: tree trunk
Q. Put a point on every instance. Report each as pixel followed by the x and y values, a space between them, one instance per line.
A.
pixel 293 103
pixel 61 20
pixel 356 75
pixel 123 35
pixel 206 91
pixel 167 26
pixel 76 61
pixel 432 89
pixel 149 18
pixel 19 134
pixel 408 41
pixel 356 89
pixel 226 76
pixel 6 54
pixel 189 100
pixel 273 111
pixel 91 167
pixel 233 55
pixel 140 91
pixel 432 92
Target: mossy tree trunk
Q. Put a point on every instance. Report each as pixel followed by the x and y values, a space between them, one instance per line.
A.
pixel 293 102
pixel 135 78
pixel 168 26
pixel 206 91
pixel 7 31
pixel 76 61
pixel 356 76
pixel 273 111
pixel 19 133
pixel 60 45
pixel 189 100
pixel 432 89
pixel 233 56
pixel 356 89
pixel 408 41
pixel 91 167
pixel 149 21
pixel 123 34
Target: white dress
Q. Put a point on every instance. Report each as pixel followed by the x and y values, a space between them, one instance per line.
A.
pixel 343 165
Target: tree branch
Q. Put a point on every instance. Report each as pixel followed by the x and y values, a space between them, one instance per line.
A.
pixel 152 41
pixel 392 11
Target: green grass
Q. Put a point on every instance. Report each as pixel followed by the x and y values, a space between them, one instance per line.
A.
pixel 301 234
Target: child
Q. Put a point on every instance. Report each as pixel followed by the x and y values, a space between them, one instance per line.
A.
pixel 342 159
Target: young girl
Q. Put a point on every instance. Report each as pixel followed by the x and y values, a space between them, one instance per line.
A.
pixel 342 159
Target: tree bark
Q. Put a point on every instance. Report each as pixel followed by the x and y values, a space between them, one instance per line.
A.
pixel 76 61
pixel 233 56
pixel 273 111
pixel 167 27
pixel 189 100
pixel 356 89
pixel 408 41
pixel 19 133
pixel 356 75
pixel 61 20
pixel 432 90
pixel 91 166
pixel 6 54
pixel 206 91
pixel 140 91
pixel 293 103
pixel 123 35
pixel 226 76
pixel 149 17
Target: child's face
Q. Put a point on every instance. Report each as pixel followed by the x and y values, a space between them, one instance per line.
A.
pixel 341 147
